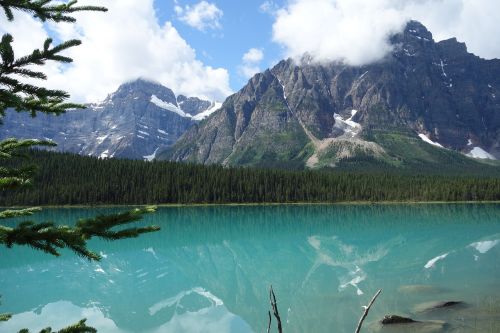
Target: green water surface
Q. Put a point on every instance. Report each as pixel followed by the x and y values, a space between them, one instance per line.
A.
pixel 210 268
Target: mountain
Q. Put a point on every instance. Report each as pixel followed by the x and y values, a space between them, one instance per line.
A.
pixel 426 103
pixel 133 122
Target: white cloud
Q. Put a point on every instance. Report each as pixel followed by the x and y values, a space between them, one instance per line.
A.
pixel 474 22
pixel 250 62
pixel 123 44
pixel 356 31
pixel 202 16
pixel 352 31
pixel 253 55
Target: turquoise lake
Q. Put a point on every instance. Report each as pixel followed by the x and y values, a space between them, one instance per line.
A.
pixel 209 270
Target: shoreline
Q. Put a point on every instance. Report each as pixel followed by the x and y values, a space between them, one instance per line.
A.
pixel 343 203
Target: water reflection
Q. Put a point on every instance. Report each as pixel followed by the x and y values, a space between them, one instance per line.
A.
pixel 214 318
pixel 349 257
pixel 58 315
pixel 211 267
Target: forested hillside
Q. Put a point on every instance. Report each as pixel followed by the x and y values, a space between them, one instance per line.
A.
pixel 66 179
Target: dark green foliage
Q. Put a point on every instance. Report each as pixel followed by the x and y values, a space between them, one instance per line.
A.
pixel 21 175
pixel 46 10
pixel 24 96
pixel 49 237
pixel 5 316
pixel 79 327
pixel 8 214
pixel 66 179
pixel 28 97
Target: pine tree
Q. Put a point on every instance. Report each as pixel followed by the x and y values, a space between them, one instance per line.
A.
pixel 26 97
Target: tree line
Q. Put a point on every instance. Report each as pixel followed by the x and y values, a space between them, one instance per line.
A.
pixel 67 179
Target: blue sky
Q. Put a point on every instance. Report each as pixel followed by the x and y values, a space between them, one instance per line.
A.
pixel 209 48
pixel 243 25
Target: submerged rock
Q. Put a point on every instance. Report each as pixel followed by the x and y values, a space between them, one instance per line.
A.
pixel 432 306
pixel 398 324
pixel 395 319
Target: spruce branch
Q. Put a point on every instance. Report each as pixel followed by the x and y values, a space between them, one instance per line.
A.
pixel 100 226
pixel 80 327
pixel 46 10
pixel 11 178
pixel 7 214
pixel 5 316
pixel 14 178
pixel 50 238
pixel 13 147
pixel 28 97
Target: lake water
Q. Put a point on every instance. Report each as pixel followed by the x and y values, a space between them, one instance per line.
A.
pixel 210 268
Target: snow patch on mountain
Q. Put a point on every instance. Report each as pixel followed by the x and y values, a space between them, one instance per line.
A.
pixel 169 106
pixel 104 154
pixel 347 126
pixel 100 139
pixel 202 115
pixel 352 123
pixel 152 156
pixel 478 152
pixel 429 141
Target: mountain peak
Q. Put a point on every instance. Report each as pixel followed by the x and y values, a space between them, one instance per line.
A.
pixel 415 33
pixel 414 40
pixel 141 89
pixel 417 29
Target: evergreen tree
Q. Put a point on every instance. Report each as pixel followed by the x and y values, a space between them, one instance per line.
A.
pixel 26 97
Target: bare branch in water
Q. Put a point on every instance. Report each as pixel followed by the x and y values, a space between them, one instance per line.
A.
pixel 269 322
pixel 367 308
pixel 274 306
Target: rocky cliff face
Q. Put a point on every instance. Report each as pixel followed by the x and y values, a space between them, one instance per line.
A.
pixel 316 115
pixel 134 122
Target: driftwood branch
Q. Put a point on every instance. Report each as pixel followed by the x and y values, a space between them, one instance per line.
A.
pixel 274 306
pixel 367 308
pixel 269 322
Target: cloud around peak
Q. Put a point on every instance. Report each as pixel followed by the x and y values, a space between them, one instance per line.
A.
pixel 357 32
pixel 351 31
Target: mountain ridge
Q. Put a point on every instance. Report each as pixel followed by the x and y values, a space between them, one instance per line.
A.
pixel 135 121
pixel 318 115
